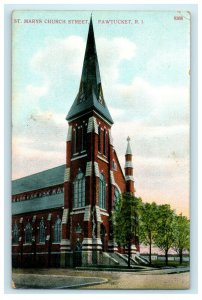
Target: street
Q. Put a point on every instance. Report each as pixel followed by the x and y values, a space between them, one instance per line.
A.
pixel 87 279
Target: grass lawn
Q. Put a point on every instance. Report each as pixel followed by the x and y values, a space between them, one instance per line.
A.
pixel 160 263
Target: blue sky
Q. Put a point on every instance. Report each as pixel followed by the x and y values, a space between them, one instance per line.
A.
pixel 145 75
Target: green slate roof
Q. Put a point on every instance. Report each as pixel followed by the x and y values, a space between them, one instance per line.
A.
pixel 39 180
pixel 90 95
pixel 43 203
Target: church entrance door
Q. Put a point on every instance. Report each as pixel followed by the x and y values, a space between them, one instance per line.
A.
pixel 77 255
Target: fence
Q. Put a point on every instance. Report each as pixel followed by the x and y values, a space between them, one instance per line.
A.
pixel 170 257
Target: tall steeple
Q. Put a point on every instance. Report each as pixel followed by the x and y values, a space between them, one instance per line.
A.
pixel 90 95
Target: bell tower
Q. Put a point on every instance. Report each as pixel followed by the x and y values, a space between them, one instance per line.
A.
pixel 89 181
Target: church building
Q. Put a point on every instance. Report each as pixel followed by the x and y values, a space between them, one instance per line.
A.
pixel 63 216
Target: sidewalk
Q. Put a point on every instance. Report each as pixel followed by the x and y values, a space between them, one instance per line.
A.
pixel 37 281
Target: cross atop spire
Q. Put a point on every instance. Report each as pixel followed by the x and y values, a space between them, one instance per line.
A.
pixel 90 95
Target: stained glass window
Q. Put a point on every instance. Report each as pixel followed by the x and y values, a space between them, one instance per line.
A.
pixel 116 197
pixel 28 233
pixel 102 191
pixel 79 190
pixel 42 236
pixel 57 230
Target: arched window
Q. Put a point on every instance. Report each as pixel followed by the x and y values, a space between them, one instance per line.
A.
pixel 15 233
pixel 42 236
pixel 116 197
pixel 102 191
pixel 79 190
pixel 104 142
pixel 28 233
pixel 82 138
pixel 57 230
pixel 76 139
pixel 99 139
pixel 85 137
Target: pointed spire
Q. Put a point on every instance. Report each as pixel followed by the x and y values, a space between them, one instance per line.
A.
pixel 91 73
pixel 128 150
pixel 90 95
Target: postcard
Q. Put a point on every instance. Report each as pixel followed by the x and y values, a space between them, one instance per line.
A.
pixel 100 149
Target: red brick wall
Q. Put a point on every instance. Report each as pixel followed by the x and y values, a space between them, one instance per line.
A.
pixel 28 254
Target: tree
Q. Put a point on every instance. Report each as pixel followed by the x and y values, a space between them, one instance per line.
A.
pixel 148 225
pixel 182 235
pixel 164 238
pixel 125 220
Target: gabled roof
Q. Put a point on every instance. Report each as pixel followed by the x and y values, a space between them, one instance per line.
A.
pixel 39 180
pixel 90 95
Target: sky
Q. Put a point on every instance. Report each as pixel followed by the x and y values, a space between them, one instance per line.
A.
pixel 144 60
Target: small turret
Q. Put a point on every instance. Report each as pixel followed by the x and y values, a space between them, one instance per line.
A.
pixel 129 169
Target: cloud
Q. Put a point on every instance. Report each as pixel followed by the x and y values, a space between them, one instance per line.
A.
pixel 111 53
pixel 59 62
pixel 40 145
pixel 158 114
pixel 156 105
pixel 37 91
pixel 163 180
pixel 26 103
pixel 152 141
pixel 28 160
pixel 160 160
pixel 175 63
pixel 44 127
pixel 156 117
pixel 57 66
pixel 59 57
